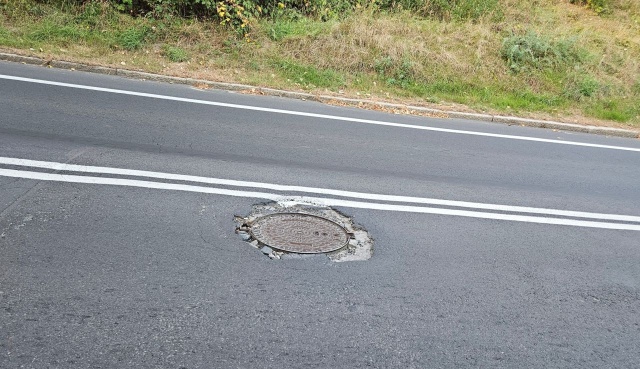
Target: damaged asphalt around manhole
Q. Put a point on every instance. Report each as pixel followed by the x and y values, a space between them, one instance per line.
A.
pixel 302 230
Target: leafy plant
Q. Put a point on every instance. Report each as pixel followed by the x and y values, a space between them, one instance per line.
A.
pixel 237 13
pixel 397 73
pixel 124 5
pixel 175 54
pixel 588 86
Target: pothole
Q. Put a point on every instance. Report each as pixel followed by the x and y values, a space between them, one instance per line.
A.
pixel 304 230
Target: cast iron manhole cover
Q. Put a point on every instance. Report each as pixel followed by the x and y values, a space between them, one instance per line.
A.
pixel 300 233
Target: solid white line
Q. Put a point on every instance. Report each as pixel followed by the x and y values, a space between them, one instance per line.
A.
pixel 314 200
pixel 314 115
pixel 322 191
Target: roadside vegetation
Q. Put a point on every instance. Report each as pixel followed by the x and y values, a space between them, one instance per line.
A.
pixel 567 59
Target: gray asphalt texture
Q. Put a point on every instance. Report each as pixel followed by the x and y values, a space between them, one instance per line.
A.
pixel 95 276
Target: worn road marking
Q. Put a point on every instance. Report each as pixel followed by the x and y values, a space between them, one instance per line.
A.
pixel 315 115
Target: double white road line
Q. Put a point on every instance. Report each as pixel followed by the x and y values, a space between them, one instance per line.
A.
pixel 61 172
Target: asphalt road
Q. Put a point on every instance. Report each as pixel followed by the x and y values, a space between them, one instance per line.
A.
pixel 96 275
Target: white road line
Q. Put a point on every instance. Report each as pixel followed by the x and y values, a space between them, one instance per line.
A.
pixel 315 200
pixel 321 191
pixel 314 115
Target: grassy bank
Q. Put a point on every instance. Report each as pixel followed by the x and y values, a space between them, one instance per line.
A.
pixel 541 58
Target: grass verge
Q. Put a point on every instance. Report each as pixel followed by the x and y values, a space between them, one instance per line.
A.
pixel 558 60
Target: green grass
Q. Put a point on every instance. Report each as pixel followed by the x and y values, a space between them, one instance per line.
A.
pixel 52 27
pixel 579 86
pixel 458 91
pixel 132 38
pixel 285 28
pixel 6 38
pixel 614 110
pixel 308 76
pixel 53 32
pixel 175 54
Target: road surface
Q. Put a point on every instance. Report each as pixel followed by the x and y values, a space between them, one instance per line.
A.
pixel 495 245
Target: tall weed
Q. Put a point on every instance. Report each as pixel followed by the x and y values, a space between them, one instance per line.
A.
pixel 133 38
pixel 458 10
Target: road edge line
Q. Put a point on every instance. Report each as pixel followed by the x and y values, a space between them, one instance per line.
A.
pixel 132 74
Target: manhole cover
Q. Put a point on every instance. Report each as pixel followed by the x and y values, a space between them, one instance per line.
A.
pixel 300 233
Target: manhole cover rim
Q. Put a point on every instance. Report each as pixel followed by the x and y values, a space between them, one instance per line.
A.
pixel 289 249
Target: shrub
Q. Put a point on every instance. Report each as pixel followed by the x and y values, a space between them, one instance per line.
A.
pixel 579 86
pixel 533 51
pixel 396 73
pixel 239 13
pixel 598 6
pixel 588 86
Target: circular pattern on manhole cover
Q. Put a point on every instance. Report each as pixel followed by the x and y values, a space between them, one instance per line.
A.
pixel 300 233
